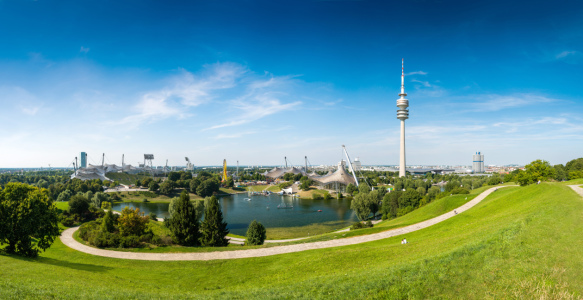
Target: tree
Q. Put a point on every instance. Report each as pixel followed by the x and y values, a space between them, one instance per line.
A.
pixel 65 196
pixel 78 205
pixel 360 205
pixel 107 225
pixel 184 220
pixel 174 176
pixel 166 187
pixel 29 219
pixel 230 182
pixel 409 198
pixel 256 233
pixel 207 188
pixel 213 230
pixel 560 173
pixel 153 186
pixel 305 185
pixel 540 170
pixel 350 188
pixel 99 198
pixel 132 222
pixel 523 178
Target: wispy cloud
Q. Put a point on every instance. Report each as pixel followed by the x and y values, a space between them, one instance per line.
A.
pixel 424 83
pixel 30 110
pixel 566 53
pixel 494 102
pixel 84 49
pixel 233 135
pixel 416 73
pixel 263 97
pixel 185 91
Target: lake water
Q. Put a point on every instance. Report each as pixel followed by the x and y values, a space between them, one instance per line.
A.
pixel 239 212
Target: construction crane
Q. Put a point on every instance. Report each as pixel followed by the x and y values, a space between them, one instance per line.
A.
pixel 224 170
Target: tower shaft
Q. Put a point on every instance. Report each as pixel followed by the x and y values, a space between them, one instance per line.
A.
pixel 402 170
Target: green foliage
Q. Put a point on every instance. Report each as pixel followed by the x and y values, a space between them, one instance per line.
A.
pixel 65 196
pixel 317 196
pixel 108 222
pixel 285 185
pixel 184 220
pixel 28 219
pixel 79 205
pixel 153 186
pixel 350 189
pixel 132 222
pixel 540 170
pixel 99 198
pixel 207 187
pixel 390 204
pixel 213 230
pixel 359 225
pixel 167 187
pixel 229 182
pixel 256 233
pixel 360 206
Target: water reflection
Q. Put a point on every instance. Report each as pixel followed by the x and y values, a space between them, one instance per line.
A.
pixel 240 209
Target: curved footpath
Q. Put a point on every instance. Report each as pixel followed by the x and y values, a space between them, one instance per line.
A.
pixel 67 239
pixel 577 189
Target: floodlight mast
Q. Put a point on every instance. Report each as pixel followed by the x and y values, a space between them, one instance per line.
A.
pixel 350 164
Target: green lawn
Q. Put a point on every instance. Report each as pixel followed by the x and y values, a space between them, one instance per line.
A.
pixel 153 197
pixel 125 178
pixel 257 188
pixel 522 242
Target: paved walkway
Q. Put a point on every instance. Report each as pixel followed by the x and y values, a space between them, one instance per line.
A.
pixel 67 239
pixel 577 189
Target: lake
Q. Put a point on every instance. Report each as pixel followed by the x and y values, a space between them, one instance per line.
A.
pixel 238 212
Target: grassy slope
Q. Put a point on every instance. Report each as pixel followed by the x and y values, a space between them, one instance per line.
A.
pixel 519 242
pixel 125 178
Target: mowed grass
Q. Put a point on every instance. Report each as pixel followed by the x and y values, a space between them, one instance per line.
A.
pixel 522 242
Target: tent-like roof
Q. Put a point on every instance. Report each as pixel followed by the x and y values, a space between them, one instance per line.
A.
pixel 279 172
pixel 340 176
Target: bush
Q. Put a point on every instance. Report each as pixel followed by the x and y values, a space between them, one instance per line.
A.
pixel 68 221
pixel 78 205
pixel 317 196
pixel 132 222
pixel 359 225
pixel 153 216
pixel 131 241
pixel 256 233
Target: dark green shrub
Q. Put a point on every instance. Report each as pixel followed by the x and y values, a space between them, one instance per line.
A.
pixel 153 216
pixel 256 233
pixel 356 225
pixel 317 196
pixel 131 241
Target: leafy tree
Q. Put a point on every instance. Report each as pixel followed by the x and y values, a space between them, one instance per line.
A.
pixel 193 184
pixel 523 178
pixel 399 186
pixel 65 196
pixel 305 185
pixel 79 205
pixel 29 219
pixel 99 198
pixel 421 190
pixel 373 201
pixel 153 186
pixel 105 205
pixel 409 198
pixel 167 187
pixel 540 170
pixel 350 188
pixel 184 220
pixel 174 176
pixel 363 189
pixel 207 188
pixel 560 172
pixel 185 175
pixel 230 182
pixel 213 230
pixel 360 205
pixel 256 233
pixel 107 224
pixel 132 222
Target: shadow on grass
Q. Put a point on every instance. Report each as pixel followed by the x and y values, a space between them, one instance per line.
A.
pixel 58 263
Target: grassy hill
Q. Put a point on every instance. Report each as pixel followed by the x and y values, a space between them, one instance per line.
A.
pixel 520 242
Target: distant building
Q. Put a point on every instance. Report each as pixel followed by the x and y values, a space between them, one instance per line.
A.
pixel 478 163
pixel 83 160
pixel 357 164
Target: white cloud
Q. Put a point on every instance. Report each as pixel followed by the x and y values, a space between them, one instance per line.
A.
pixel 424 83
pixel 494 102
pixel 233 135
pixel 186 90
pixel 566 53
pixel 84 50
pixel 263 97
pixel 30 110
pixel 416 73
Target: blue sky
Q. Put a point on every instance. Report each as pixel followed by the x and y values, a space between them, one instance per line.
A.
pixel 255 81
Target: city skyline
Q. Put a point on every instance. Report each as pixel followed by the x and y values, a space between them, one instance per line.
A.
pixel 256 81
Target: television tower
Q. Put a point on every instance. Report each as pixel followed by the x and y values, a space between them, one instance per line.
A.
pixel 402 114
